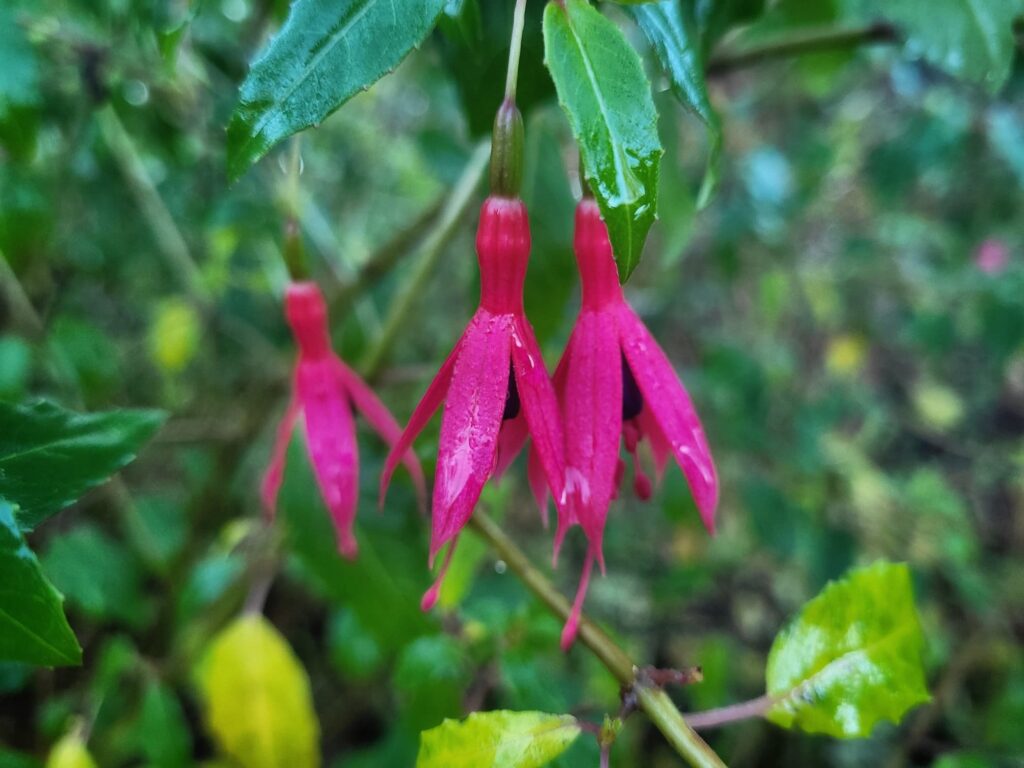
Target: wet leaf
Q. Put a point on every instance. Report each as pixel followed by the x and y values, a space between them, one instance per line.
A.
pixel 602 87
pixel 672 29
pixel 49 456
pixel 501 739
pixel 851 658
pixel 326 52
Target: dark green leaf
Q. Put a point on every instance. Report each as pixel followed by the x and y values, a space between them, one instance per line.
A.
pixel 500 739
pixel 970 39
pixel 672 29
pixel 97 574
pixel 604 91
pixel 49 456
pixel 851 658
pixel 717 17
pixel 327 51
pixel 32 624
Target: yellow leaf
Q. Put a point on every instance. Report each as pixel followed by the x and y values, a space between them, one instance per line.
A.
pixel 174 335
pixel 257 696
pixel 845 355
pixel 70 752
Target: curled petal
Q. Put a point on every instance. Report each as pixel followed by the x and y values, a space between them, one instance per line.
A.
pixel 672 410
pixel 540 407
pixel 472 419
pixel 331 440
pixel 593 421
pixel 270 485
pixel 429 599
pixel 424 410
pixel 380 418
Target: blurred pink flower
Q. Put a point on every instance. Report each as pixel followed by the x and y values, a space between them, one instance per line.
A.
pixel 992 256
pixel 615 381
pixel 324 392
pixel 496 390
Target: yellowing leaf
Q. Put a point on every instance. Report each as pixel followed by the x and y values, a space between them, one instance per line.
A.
pixel 499 739
pixel 845 355
pixel 851 658
pixel 258 702
pixel 174 335
pixel 70 752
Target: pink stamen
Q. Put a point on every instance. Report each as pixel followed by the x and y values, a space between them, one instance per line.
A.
pixel 573 624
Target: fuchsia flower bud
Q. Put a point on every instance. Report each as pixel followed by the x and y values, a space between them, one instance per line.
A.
pixel 992 256
pixel 324 391
pixel 615 381
pixel 494 385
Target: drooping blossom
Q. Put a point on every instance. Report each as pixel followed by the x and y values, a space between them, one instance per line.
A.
pixel 324 392
pixel 494 385
pixel 615 383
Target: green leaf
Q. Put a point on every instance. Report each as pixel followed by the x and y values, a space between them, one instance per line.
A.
pixel 326 52
pixel 602 87
pixel 70 752
pixel 671 27
pixel 97 574
pixel 32 624
pixel 851 658
pixel 969 39
pixel 501 739
pixel 162 731
pixel 49 456
pixel 258 701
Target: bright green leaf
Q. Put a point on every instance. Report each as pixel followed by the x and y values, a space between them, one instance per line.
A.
pixel 258 701
pixel 326 52
pixel 97 574
pixel 500 739
pixel 32 624
pixel 851 658
pixel 49 456
pixel 969 39
pixel 602 87
pixel 672 29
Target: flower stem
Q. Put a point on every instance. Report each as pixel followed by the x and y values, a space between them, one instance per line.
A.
pixel 515 47
pixel 653 701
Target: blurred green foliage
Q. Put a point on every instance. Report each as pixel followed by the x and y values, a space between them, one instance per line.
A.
pixel 860 377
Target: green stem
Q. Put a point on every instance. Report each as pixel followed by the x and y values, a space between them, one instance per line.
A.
pixel 515 48
pixel 23 313
pixel 810 41
pixel 433 246
pixel 653 701
pixel 169 239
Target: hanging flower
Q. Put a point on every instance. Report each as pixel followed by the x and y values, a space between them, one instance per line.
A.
pixel 614 382
pixel 496 390
pixel 324 392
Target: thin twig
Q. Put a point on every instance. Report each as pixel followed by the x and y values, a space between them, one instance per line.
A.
pixel 811 41
pixel 716 718
pixel 434 245
pixel 657 704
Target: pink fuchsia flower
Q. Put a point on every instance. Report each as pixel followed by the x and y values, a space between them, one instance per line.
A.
pixel 324 392
pixel 992 256
pixel 614 382
pixel 495 387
